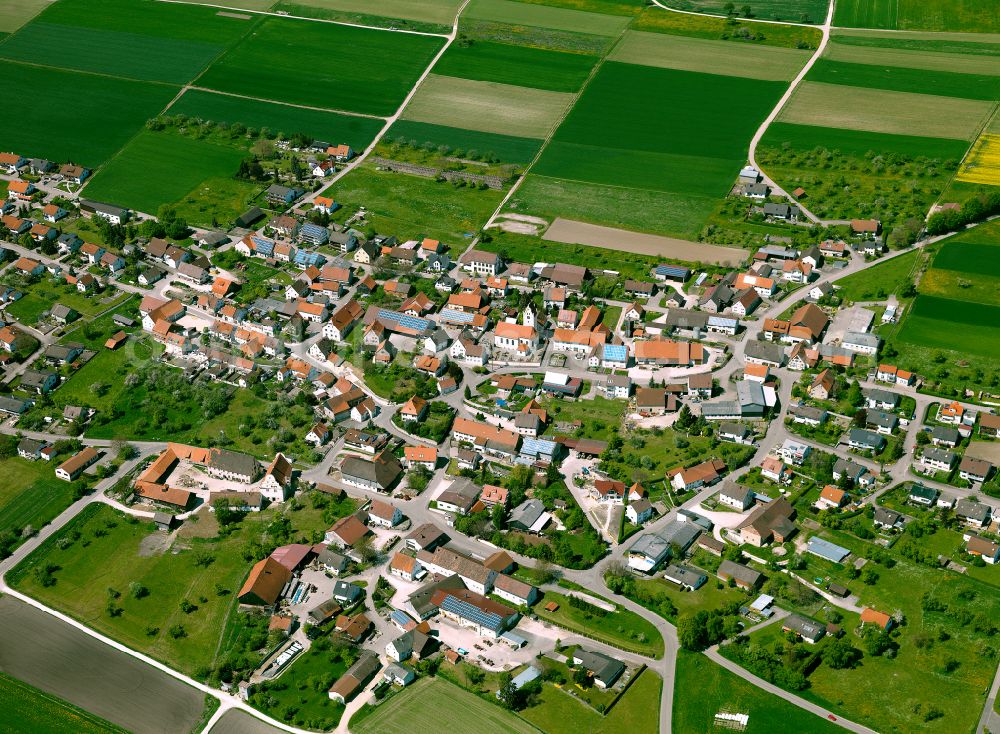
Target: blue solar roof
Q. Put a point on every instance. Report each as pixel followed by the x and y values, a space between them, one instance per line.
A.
pixel 457 317
pixel 404 320
pixel 617 352
pixel 263 245
pixel 674 270
pixel 538 446
pixel 400 617
pixel 313 229
pixel 473 613
pixel 826 549
pixel 308 257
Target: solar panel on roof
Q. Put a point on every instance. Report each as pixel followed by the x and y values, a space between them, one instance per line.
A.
pixel 471 612
pixel 615 351
pixel 404 320
pixel 457 317
pixel 672 270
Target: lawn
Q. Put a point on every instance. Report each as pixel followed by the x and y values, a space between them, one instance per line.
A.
pixel 41 295
pixel 877 282
pixel 356 131
pixel 620 628
pixel 670 602
pixel 526 249
pixel 431 704
pixel 30 494
pixel 158 168
pixel 413 207
pixel 299 697
pixel 709 56
pixel 719 690
pixel 924 81
pixel 289 61
pixel 103 549
pixel 70 117
pixel 885 111
pixel 543 16
pixel 505 148
pixel 220 199
pixel 27 708
pixel 636 712
pixel 977 16
pixel 486 106
pixel 147 41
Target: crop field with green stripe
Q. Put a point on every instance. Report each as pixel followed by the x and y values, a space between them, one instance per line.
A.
pixel 507 63
pixel 973 16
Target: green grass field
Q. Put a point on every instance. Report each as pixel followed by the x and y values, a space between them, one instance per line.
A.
pixel 73 116
pixel 507 148
pixel 621 170
pixel 885 111
pixel 977 44
pixel 885 278
pixel 642 210
pixel 721 690
pixel 860 142
pixel 27 708
pixel 620 628
pixel 358 132
pixel 112 552
pixel 637 711
pixel 414 207
pixel 975 16
pixel 161 168
pixel 302 688
pixel 220 198
pixel 488 107
pixel 709 56
pixel 525 66
pixel 43 294
pixel 146 40
pixel 945 323
pixel 543 16
pixel 900 79
pixel 972 59
pixel 433 703
pixel 735 31
pixel 796 11
pixel 30 494
pixel 428 11
pixel 290 61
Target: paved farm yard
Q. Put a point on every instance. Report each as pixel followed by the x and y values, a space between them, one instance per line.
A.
pixel 433 704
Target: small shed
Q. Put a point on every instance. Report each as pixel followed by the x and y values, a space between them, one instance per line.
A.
pixel 163 520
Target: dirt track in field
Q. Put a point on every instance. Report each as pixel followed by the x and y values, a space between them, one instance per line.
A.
pixel 61 660
pixel 581 233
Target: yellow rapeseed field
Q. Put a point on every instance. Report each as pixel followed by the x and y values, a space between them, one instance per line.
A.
pixel 982 164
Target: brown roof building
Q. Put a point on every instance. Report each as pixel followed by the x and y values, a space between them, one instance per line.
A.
pixel 264 584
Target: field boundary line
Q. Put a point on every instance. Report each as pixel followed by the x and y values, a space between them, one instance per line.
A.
pixel 311 108
pixel 758 136
pixel 659 4
pixel 302 17
pixel 987 123
pixel 556 124
pixel 101 74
